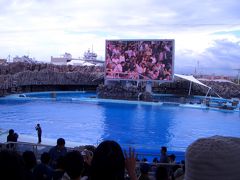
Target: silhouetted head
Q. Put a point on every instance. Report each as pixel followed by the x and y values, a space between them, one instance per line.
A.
pixel 73 164
pixel 164 149
pixel 171 158
pixel 29 159
pixel 60 142
pixel 11 131
pixel 108 162
pixel 45 158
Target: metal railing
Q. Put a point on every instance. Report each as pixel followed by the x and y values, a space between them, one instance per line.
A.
pixel 38 149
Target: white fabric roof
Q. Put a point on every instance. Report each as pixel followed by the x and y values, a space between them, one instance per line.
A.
pixel 191 78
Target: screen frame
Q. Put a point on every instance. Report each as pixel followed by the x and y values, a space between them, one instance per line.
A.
pixel 142 80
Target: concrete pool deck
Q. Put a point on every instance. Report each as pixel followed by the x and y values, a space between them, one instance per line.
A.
pixel 32 139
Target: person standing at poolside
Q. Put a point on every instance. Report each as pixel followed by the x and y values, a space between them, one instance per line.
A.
pixel 39 132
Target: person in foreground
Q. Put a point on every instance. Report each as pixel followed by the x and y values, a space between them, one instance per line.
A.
pixel 215 157
pixel 108 162
pixel 43 170
pixel 57 151
pixel 11 166
pixel 73 165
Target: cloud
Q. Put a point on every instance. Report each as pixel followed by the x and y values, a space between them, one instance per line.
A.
pixel 221 58
pixel 44 28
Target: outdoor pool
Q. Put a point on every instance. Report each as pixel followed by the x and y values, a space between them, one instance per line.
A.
pixel 79 117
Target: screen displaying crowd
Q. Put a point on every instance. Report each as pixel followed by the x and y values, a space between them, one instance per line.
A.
pixel 150 60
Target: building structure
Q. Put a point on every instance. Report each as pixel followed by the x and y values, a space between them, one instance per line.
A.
pixel 89 59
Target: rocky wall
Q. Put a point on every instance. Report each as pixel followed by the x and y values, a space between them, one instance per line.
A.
pixel 15 76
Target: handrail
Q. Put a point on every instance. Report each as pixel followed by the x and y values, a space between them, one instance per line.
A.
pixel 37 146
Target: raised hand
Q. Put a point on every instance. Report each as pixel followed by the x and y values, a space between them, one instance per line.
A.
pixel 130 163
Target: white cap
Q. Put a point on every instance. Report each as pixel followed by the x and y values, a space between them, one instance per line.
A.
pixel 213 158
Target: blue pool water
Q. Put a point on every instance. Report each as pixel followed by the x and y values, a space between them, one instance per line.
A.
pixel 146 126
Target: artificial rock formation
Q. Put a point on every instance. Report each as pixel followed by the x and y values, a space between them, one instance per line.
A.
pixel 26 77
pixel 20 76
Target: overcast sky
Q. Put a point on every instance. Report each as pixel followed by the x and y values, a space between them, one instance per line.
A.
pixel 206 32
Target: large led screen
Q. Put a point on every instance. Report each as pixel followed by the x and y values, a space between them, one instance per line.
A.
pixel 147 60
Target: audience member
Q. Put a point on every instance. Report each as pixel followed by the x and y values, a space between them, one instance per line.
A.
pixel 171 159
pixel 43 170
pixel 179 173
pixel 12 137
pixel 144 160
pixel 59 171
pixel 15 136
pixel 87 158
pixel 144 169
pixel 11 166
pixel 161 173
pixel 57 151
pixel 215 157
pixel 108 162
pixel 154 164
pixel 163 157
pixel 73 165
pixel 30 162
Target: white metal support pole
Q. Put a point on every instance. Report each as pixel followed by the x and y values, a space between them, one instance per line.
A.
pixel 207 92
pixel 190 87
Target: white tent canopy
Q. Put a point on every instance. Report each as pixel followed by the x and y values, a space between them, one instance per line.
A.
pixel 192 79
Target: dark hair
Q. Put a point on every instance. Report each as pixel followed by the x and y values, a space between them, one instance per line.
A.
pixel 11 131
pixel 164 148
pixel 45 158
pixel 108 162
pixel 172 156
pixel 161 173
pixel 60 141
pixel 73 164
pixel 29 159
pixel 11 165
